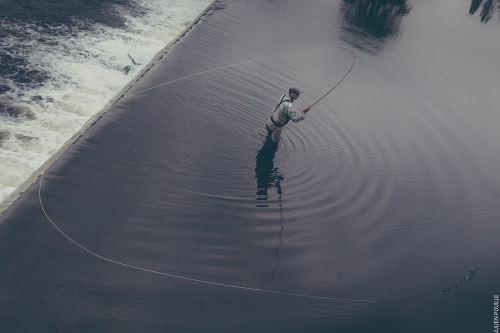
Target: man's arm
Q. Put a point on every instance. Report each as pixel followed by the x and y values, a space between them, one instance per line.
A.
pixel 294 115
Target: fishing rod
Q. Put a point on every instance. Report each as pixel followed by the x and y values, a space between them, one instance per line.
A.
pixel 353 59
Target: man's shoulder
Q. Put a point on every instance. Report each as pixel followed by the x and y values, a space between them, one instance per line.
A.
pixel 285 99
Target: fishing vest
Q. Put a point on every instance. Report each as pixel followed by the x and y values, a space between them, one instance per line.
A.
pixel 281 122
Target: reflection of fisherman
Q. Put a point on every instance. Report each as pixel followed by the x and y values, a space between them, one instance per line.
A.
pixel 266 173
pixel 283 113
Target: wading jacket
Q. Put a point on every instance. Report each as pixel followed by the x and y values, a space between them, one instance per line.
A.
pixel 285 112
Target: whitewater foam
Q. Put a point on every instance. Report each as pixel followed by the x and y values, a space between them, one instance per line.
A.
pixel 67 74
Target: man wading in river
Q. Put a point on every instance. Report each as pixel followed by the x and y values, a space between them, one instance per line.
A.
pixel 283 113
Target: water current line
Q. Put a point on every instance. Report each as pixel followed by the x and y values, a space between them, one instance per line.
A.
pixel 257 304
pixel 279 235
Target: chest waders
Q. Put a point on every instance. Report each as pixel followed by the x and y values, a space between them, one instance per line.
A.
pixel 283 99
pixel 273 127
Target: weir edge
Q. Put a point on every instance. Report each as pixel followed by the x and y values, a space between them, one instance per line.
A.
pixel 92 121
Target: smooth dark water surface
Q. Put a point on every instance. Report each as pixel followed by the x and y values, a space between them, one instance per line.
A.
pixel 385 199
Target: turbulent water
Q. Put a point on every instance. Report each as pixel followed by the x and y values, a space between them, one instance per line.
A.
pixel 61 62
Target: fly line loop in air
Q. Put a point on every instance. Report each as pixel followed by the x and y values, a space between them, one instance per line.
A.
pixel 183 277
pixel 249 62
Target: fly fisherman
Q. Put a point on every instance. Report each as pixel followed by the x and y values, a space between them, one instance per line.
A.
pixel 283 113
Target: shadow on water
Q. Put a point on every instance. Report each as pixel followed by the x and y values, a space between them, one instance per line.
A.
pixel 368 25
pixel 268 176
pixel 489 8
